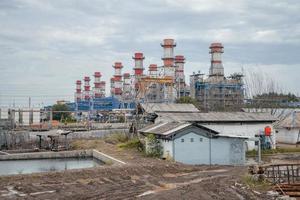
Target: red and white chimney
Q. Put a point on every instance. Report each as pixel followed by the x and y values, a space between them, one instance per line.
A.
pixel 153 70
pixel 126 85
pixel 99 88
pixel 112 86
pixel 216 67
pixel 179 68
pixel 138 68
pixel 118 78
pixel 87 90
pixel 97 92
pixel 168 58
pixel 102 88
pixel 138 64
pixel 78 93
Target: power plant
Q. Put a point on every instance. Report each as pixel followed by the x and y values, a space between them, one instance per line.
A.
pixel 161 84
pixel 217 92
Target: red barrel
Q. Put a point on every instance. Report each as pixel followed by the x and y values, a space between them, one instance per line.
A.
pixel 268 131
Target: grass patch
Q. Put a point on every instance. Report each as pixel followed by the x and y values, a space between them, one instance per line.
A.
pixel 133 143
pixel 273 151
pixel 86 144
pixel 116 138
pixel 253 183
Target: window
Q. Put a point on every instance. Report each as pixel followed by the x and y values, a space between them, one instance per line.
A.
pixel 192 139
pixel 182 140
pixel 201 140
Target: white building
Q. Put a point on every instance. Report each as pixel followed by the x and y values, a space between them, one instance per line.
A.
pixel 21 116
pixel 230 123
pixel 191 143
pixel 288 129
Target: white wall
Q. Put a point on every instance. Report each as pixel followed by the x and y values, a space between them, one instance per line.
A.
pixel 238 129
pixel 25 115
pixel 4 113
pixel 188 152
pixel 224 151
pixel 287 136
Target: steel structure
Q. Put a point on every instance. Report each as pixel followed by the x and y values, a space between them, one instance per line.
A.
pixel 217 92
pixel 161 84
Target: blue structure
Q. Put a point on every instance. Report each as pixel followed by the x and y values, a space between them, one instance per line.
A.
pixel 100 104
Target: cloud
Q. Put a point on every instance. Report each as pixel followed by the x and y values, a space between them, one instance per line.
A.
pixel 53 43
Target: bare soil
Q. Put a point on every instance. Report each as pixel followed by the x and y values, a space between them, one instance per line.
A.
pixel 140 178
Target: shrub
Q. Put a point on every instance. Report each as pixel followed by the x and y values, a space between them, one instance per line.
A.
pixel 134 143
pixel 153 146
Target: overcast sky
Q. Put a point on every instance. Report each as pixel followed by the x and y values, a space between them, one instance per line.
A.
pixel 46 45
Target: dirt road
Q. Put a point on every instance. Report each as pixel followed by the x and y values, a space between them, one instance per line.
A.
pixel 140 178
pixel 129 182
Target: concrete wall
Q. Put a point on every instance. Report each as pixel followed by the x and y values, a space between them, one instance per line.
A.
pixel 238 129
pixel 288 136
pixel 48 155
pixel 228 151
pixel 167 148
pixel 189 152
pixel 93 134
pixel 10 139
pixel 27 116
pixel 24 139
pixel 63 154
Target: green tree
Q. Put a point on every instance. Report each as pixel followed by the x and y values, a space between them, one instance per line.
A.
pixel 60 115
pixel 154 147
pixel 187 99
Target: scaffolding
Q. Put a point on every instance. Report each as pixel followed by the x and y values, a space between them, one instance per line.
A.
pixel 223 95
pixel 156 89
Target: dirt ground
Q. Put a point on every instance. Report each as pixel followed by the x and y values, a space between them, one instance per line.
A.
pixel 140 178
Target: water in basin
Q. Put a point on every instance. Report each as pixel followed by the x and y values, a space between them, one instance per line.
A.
pixel 45 165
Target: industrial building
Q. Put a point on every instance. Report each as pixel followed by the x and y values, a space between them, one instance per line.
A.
pixel 162 84
pixel 191 143
pixel 21 116
pixel 217 92
pixel 239 124
pixel 288 129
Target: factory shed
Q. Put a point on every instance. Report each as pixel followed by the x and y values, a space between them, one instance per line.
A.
pixel 191 143
pixel 233 123
pixel 288 129
pixel 168 107
pixel 151 111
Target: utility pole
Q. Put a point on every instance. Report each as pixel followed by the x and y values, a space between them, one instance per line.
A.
pixel 29 102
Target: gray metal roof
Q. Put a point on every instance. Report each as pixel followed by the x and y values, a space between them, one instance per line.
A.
pixel 166 129
pixel 217 117
pixel 291 121
pixel 168 107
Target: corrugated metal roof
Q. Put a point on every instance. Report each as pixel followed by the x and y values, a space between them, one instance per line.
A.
pixel 216 117
pixel 168 107
pixel 167 128
pixel 164 128
pixel 291 121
